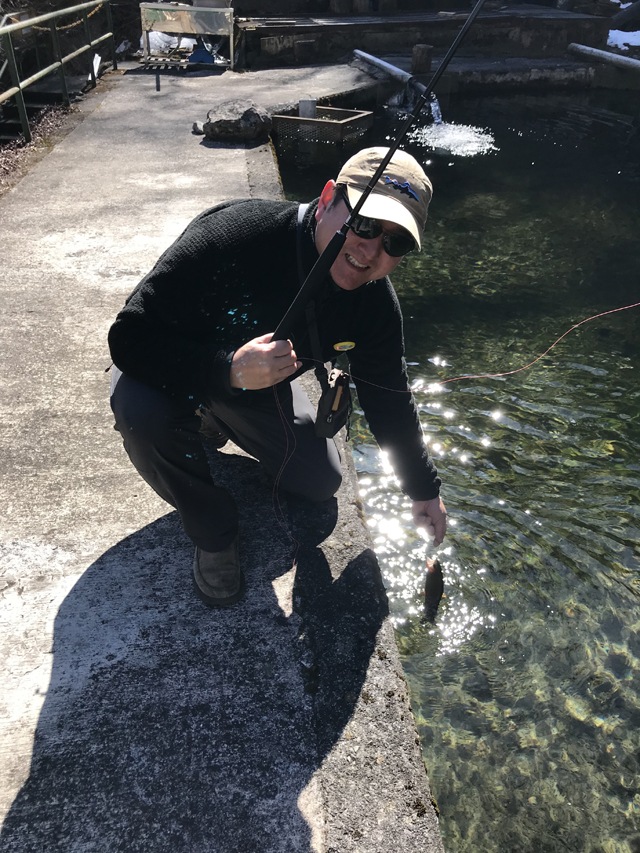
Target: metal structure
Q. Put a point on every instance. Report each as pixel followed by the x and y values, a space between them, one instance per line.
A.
pixel 329 124
pixel 84 11
pixel 180 20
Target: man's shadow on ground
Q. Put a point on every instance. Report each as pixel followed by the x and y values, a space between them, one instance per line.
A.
pixel 171 727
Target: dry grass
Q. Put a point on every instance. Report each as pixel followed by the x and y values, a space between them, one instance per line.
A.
pixel 16 158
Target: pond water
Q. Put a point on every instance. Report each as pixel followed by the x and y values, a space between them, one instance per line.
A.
pixel 526 690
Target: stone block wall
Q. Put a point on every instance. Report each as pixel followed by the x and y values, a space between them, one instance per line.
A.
pixel 300 8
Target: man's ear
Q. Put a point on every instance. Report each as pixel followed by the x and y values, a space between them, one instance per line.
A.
pixel 326 197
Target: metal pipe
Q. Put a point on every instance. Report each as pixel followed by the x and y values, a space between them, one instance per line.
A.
pixel 605 56
pixel 9 93
pixel 114 58
pixel 84 49
pixel 21 25
pixel 87 34
pixel 391 70
pixel 25 83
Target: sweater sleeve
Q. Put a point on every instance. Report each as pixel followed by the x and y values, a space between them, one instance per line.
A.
pixel 180 327
pixel 157 337
pixel 379 372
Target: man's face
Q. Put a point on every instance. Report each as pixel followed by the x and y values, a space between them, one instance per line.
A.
pixel 359 260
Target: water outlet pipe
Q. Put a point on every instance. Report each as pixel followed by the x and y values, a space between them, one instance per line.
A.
pixel 387 67
pixel 605 56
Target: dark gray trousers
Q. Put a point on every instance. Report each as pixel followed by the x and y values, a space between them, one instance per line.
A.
pixel 164 441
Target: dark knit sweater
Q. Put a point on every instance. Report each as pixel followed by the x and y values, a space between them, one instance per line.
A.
pixel 230 277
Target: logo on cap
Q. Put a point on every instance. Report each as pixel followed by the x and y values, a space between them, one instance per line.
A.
pixel 404 188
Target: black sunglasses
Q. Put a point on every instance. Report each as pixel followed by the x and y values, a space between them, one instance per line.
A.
pixel 395 244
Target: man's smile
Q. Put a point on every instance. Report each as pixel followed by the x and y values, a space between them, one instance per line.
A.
pixel 354 262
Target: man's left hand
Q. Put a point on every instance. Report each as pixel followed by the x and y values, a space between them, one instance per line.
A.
pixel 431 515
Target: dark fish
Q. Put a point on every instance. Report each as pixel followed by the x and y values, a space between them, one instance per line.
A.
pixel 433 589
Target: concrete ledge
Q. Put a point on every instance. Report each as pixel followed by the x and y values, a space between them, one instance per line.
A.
pixel 483 75
pixel 519 30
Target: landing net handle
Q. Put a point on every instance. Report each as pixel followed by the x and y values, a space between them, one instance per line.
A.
pixel 324 263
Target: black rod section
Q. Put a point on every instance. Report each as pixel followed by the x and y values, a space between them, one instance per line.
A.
pixel 325 261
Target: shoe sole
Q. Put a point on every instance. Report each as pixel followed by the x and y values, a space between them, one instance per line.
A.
pixel 227 601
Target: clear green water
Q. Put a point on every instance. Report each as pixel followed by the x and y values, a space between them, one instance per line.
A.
pixel 527 690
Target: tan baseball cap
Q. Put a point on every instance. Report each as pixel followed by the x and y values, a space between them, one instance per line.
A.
pixel 401 195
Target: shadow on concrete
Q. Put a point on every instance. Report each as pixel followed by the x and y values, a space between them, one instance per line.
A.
pixel 248 145
pixel 171 727
pixel 153 70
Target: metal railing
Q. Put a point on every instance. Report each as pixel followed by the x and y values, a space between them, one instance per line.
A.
pixel 51 19
pixel 4 65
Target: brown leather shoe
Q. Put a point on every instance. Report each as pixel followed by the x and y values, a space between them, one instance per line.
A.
pixel 217 576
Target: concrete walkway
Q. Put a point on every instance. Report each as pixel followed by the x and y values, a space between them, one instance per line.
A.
pixel 132 718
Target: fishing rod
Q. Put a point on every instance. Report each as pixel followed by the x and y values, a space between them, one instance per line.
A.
pixel 324 263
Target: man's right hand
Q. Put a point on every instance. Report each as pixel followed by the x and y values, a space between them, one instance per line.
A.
pixel 261 363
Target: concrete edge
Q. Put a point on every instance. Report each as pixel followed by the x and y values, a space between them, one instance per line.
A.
pixel 374 781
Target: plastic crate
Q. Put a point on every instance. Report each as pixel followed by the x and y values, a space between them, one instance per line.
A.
pixel 329 125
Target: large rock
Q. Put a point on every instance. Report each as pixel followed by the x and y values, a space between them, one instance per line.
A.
pixel 237 121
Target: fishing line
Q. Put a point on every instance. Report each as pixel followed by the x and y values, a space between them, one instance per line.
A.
pixel 275 493
pixel 505 372
pixel 542 355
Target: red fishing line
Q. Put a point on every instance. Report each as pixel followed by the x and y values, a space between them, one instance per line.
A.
pixel 542 355
pixel 505 372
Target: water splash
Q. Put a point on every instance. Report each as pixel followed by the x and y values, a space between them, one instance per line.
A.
pixel 436 112
pixel 461 140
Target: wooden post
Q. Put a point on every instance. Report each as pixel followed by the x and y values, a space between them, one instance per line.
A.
pixel 341 7
pixel 421 58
